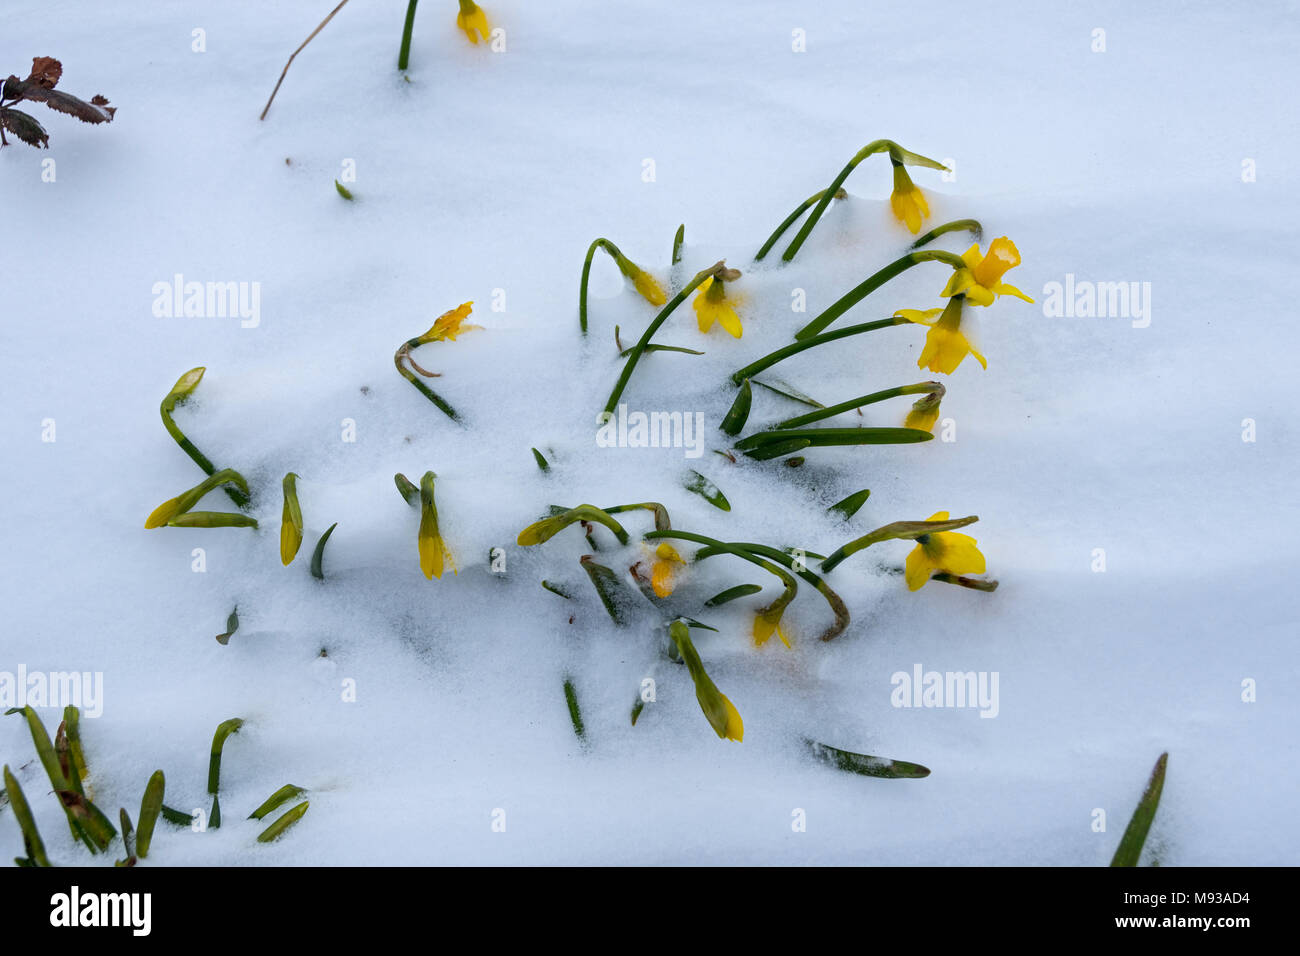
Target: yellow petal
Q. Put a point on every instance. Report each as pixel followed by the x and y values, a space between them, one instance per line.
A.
pixel 917 570
pixel 666 552
pixel 163 513
pixel 735 729
pixel 958 554
pixel 977 294
pixel 958 283
pixel 924 420
pixel 661 578
pixel 918 316
pixel 730 321
pixel 1002 255
pixel 290 539
pixel 431 555
pixel 649 287
pixel 1003 289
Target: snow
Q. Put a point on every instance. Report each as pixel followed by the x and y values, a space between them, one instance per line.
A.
pixel 494 171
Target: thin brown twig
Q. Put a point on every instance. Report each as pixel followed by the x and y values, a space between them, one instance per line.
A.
pixel 285 71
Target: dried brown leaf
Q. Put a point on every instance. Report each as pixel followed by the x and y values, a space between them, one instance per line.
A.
pixel 45 71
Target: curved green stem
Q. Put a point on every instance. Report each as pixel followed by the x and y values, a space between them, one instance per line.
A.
pixel 639 349
pixel 789 221
pixel 976 231
pixel 586 273
pixel 423 389
pixel 720 547
pixel 896 153
pixel 837 605
pixel 919 388
pixel 874 282
pixel 783 353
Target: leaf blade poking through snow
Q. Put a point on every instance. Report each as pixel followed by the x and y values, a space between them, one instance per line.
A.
pixel 697 484
pixel 1130 846
pixel 865 764
pixel 849 506
pixel 318 556
pixel 277 829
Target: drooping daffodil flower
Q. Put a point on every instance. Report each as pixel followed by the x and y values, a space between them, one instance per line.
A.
pixel 981 279
pixel 948 551
pixel 946 345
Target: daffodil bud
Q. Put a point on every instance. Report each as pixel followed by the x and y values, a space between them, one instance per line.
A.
pixel 645 284
pixel 187 500
pixel 718 709
pixel 768 621
pixel 433 552
pixel 472 20
pixel 290 520
pixel 925 410
pixel 211 519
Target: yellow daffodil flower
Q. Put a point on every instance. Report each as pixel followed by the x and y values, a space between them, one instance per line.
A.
pixel 942 551
pixel 721 712
pixel 472 18
pixel 981 280
pixel 924 413
pixel 433 550
pixel 767 623
pixel 907 201
pixel 711 306
pixel 449 325
pixel 664 569
pixel 945 344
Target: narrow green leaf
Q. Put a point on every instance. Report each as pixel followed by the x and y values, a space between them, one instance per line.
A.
pixel 738 414
pixel 212 519
pixel 556 589
pixel 224 730
pixel 277 829
pixel 698 484
pixel 778 448
pixel 821 437
pixel 786 390
pixel 280 797
pixel 614 594
pixel 151 805
pixel 849 506
pixel 32 842
pixel 178 817
pixel 319 554
pixel 731 594
pixel 343 191
pixel 541 460
pixel 678 241
pixel 232 625
pixel 407 488
pixel 864 764
pixel 575 714
pixel 897 529
pixel 1135 834
pixel 656 347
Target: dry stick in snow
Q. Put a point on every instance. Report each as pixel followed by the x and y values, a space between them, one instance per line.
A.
pixel 283 72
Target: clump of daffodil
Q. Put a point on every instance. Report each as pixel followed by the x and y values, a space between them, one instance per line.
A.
pixel 433 551
pixel 946 345
pixel 981 279
pixel 768 622
pixel 713 306
pixel 948 551
pixel 718 709
pixel 907 201
pixel 925 410
pixel 664 568
pixel 473 20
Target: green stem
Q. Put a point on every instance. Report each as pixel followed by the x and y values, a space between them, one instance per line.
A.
pixel 874 282
pixel 423 389
pixel 790 221
pixel 404 57
pixel 238 497
pixel 791 585
pixel 639 348
pixel 956 225
pixel 837 605
pixel 917 389
pixel 781 354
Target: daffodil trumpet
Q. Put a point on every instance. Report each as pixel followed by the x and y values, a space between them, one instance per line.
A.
pixel 646 285
pixel 290 520
pixel 719 270
pixel 896 529
pixel 920 388
pixel 837 605
pixel 445 328
pixel 979 278
pixel 785 352
pixel 874 282
pixel 547 528
pixel 791 219
pixel 434 554
pixel 718 709
pixel 897 155
pixel 179 394
pixel 188 499
pixel 957 225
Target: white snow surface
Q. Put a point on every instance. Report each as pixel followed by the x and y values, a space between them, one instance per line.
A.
pixel 492 171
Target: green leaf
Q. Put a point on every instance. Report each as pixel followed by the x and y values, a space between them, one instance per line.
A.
pixel 1135 834
pixel 32 842
pixel 407 489
pixel 614 594
pixel 212 519
pixel 224 730
pixel 678 241
pixel 280 797
pixel 541 460
pixel 656 347
pixel 821 437
pixel 738 414
pixel 778 448
pixel 556 589
pixel 731 594
pixel 319 554
pixel 575 714
pixel 343 191
pixel 232 625
pixel 277 829
pixel 150 806
pixel 849 506
pixel 697 484
pixel 864 764
pixel 897 529
pixel 786 390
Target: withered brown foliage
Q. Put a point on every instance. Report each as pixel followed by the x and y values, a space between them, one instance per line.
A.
pixel 39 87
